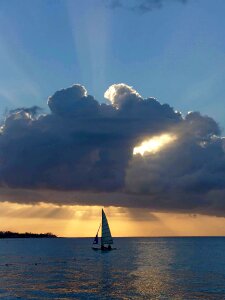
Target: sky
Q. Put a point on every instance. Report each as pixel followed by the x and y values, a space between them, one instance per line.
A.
pixel 57 170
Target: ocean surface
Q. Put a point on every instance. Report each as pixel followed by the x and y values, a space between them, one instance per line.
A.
pixel 141 268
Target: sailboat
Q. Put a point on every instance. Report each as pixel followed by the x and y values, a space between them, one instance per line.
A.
pixel 106 238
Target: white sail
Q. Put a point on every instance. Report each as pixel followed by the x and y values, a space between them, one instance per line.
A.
pixel 106 234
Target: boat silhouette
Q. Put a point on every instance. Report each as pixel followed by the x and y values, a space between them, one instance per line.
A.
pixel 106 237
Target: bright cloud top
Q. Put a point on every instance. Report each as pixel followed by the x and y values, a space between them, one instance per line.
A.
pixel 120 94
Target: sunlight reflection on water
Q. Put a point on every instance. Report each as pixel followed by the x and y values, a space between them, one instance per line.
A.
pixel 145 268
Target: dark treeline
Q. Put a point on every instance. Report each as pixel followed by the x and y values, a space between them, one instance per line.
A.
pixel 9 234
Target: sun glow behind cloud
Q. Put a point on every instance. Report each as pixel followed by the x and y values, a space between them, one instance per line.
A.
pixel 154 144
pixel 83 221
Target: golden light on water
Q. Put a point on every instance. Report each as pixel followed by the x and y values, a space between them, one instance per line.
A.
pixel 154 144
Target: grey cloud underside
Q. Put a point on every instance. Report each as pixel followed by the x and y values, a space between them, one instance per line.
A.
pixel 83 152
pixel 141 6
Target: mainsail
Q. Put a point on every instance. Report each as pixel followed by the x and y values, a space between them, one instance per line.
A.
pixel 106 234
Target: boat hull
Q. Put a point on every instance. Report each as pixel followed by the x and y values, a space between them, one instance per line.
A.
pixel 103 250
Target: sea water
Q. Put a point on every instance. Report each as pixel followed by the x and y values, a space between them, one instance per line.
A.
pixel 141 268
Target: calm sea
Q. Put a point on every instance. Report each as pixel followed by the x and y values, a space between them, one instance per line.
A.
pixel 141 268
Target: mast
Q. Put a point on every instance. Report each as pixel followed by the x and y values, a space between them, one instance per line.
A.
pixel 106 234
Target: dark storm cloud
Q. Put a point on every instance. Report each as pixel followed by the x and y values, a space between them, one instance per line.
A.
pixel 82 144
pixel 82 153
pixel 141 6
pixel 186 174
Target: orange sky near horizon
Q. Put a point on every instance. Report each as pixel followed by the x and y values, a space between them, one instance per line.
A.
pixel 83 221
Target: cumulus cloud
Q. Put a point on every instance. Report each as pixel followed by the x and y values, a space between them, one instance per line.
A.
pixel 82 144
pixel 141 6
pixel 82 153
pixel 183 175
pixel 73 101
pixel 31 111
pixel 121 94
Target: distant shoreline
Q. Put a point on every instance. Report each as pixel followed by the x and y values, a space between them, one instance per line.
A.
pixel 13 235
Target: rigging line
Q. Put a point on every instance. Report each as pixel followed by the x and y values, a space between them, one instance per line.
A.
pixel 99 227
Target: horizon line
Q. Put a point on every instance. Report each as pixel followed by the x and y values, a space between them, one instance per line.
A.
pixel 171 236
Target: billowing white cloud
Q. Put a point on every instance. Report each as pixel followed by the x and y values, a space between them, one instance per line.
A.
pixel 121 94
